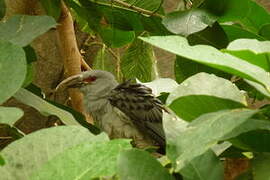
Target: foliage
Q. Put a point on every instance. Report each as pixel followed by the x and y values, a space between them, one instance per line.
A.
pixel 222 63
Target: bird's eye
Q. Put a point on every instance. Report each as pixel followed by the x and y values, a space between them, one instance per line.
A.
pixel 90 79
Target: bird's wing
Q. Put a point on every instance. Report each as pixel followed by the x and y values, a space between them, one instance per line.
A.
pixel 140 105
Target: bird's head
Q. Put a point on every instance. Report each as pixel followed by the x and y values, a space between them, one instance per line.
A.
pixel 94 81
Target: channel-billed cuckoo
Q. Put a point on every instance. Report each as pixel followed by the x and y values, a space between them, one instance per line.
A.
pixel 127 110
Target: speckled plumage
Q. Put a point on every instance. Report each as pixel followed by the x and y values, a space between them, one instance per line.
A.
pixel 127 110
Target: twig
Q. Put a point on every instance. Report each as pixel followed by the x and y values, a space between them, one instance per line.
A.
pixel 138 9
pixel 107 49
pixel 70 54
pixel 6 137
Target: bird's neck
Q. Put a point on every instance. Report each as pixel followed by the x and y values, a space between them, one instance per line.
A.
pixel 96 98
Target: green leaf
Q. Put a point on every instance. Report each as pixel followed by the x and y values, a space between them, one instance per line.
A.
pixel 265 31
pixel 260 166
pixel 151 5
pixel 161 85
pixel 257 47
pixel 44 107
pixel 234 13
pixel 88 17
pixel 138 61
pixel 116 38
pixel 206 166
pixel 22 29
pixel 30 58
pixel 173 125
pixel 212 57
pixel 105 61
pixel 204 93
pixel 249 140
pixel 122 18
pixel 250 125
pixel 9 115
pixel 184 68
pixel 259 87
pixel 2 161
pixel 79 117
pixel 2 8
pixel 253 51
pixel 137 165
pixel 203 132
pixel 213 36
pixel 30 54
pixel 12 69
pixel 188 22
pixel 86 161
pixel 30 153
pixel 235 32
pixel 52 7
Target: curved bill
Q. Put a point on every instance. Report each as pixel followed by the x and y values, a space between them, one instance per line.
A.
pixel 71 82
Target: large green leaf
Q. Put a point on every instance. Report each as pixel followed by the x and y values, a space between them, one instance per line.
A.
pixel 9 115
pixel 188 22
pixel 138 61
pixel 260 166
pixel 242 11
pixel 123 18
pixel 52 8
pixel 184 68
pixel 250 125
pixel 137 165
pixel 257 47
pixel 253 51
pixel 213 36
pixel 211 57
pixel 206 166
pixel 22 29
pixel 236 32
pixel 44 107
pixel 259 87
pixel 204 93
pixel 202 134
pixel 27 155
pixel 12 69
pixel 249 140
pixel 86 161
pixel 116 38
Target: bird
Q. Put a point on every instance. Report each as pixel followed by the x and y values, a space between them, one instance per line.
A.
pixel 122 110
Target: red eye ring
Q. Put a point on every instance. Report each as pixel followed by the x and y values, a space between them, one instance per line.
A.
pixel 90 79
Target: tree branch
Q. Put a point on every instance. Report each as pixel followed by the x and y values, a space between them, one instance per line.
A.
pixel 71 56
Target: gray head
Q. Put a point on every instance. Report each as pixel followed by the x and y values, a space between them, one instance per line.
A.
pixel 94 82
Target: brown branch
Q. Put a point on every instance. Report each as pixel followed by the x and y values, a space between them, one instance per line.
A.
pixel 71 56
pixel 138 9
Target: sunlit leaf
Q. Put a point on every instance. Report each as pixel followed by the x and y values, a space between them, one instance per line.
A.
pixel 137 165
pixel 12 69
pixel 9 115
pixel 22 29
pixel 44 107
pixel 211 57
pixel 28 154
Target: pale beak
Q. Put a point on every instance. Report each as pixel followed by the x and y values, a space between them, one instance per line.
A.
pixel 74 81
